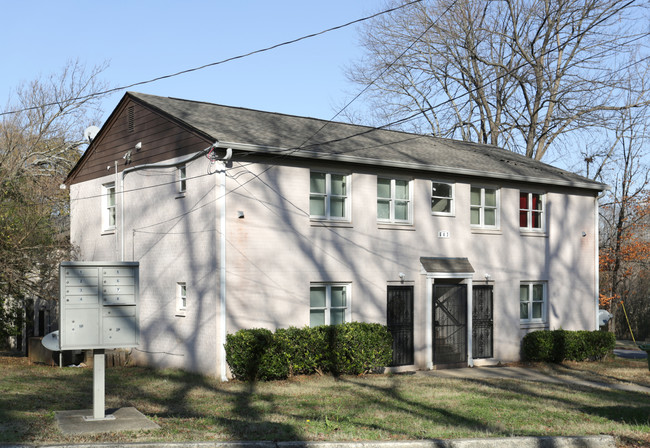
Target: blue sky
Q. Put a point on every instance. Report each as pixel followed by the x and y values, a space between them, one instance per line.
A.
pixel 146 39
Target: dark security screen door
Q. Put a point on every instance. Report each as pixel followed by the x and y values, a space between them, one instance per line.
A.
pixel 399 321
pixel 482 328
pixel 449 324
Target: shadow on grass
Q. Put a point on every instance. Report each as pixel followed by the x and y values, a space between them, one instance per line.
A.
pixel 638 415
pixel 199 407
pixel 393 399
pixel 235 411
pixel 618 406
pixel 29 399
pixel 598 377
pixel 240 416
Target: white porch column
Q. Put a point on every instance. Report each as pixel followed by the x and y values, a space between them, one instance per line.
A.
pixel 429 325
pixel 470 300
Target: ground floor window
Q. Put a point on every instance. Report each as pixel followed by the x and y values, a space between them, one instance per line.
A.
pixel 181 298
pixel 108 207
pixel 532 302
pixel 329 304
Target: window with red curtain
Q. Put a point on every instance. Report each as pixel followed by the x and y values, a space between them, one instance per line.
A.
pixel 531 211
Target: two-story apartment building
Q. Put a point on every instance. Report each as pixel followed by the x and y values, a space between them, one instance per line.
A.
pixel 241 218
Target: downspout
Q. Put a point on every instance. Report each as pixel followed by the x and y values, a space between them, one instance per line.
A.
pixel 222 271
pixel 221 333
pixel 119 231
pixel 596 263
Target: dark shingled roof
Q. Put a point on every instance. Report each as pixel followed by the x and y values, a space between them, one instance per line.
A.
pixel 319 139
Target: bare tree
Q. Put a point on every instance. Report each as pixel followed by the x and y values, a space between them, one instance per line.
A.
pixel 521 74
pixel 625 214
pixel 40 140
pixel 41 133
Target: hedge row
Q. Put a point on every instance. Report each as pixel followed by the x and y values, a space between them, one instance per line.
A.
pixel 559 345
pixel 352 348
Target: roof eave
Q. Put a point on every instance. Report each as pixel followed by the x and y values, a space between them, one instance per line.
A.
pixel 307 154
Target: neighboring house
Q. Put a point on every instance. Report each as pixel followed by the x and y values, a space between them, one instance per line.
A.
pixel 460 248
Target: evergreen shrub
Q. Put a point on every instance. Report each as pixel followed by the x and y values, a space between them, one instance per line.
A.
pixel 352 348
pixel 560 345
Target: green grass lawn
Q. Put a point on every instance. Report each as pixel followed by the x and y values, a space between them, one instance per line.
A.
pixel 375 407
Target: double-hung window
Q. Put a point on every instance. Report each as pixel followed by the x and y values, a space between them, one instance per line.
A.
pixel 329 196
pixel 329 304
pixel 181 174
pixel 181 298
pixel 531 211
pixel 532 302
pixel 484 207
pixel 442 198
pixel 108 207
pixel 394 204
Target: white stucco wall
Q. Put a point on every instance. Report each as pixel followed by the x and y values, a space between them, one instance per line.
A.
pixel 275 251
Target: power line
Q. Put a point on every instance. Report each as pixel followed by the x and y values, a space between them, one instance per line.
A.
pixel 286 152
pixel 223 61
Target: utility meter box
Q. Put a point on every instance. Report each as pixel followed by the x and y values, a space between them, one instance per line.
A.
pixel 99 305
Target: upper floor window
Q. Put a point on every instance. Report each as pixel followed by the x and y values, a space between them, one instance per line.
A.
pixel 181 174
pixel 394 200
pixel 329 196
pixel 108 207
pixel 329 304
pixel 442 198
pixel 531 211
pixel 532 302
pixel 484 207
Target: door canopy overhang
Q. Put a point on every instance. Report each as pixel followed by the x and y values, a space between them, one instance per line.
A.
pixel 445 267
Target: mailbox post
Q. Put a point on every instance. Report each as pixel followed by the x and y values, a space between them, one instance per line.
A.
pixel 99 310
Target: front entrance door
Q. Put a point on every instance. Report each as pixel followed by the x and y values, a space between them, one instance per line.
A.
pixel 482 321
pixel 399 321
pixel 449 324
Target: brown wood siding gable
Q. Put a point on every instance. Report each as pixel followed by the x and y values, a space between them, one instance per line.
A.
pixel 161 138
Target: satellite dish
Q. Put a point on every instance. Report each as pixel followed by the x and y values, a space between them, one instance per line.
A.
pixel 51 341
pixel 603 317
pixel 90 133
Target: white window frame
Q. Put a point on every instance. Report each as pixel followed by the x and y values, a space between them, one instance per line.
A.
pixel 482 207
pixel 328 195
pixel 181 298
pixel 452 198
pixel 181 176
pixel 529 212
pixel 328 301
pixel 109 210
pixel 529 302
pixel 392 200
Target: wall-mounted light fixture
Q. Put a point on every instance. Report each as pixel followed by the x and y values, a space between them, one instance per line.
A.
pixel 402 276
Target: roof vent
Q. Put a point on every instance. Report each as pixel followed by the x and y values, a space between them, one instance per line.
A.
pixel 130 118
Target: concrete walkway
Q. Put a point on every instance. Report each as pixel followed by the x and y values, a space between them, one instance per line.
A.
pixel 529 374
pixel 630 353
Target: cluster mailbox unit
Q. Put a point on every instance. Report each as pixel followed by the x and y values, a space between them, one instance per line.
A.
pixel 98 311
pixel 99 305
